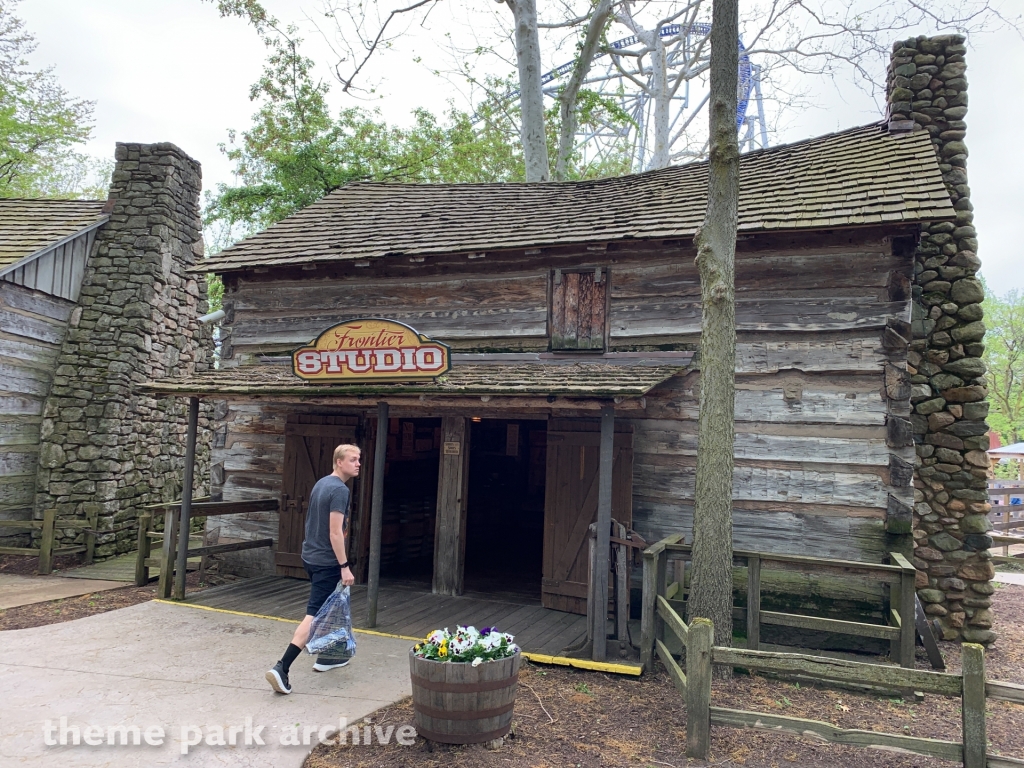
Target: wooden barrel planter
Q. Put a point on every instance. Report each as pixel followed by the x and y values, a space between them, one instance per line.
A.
pixel 457 703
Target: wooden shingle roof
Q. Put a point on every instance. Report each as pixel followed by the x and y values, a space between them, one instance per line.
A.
pixel 582 380
pixel 28 226
pixel 860 176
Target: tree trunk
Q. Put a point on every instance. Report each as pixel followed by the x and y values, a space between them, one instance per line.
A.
pixel 711 594
pixel 531 96
pixel 567 98
pixel 662 98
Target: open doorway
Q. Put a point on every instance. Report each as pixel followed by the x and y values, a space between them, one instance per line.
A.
pixel 505 513
pixel 410 500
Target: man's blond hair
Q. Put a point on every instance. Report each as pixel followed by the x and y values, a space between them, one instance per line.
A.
pixel 342 450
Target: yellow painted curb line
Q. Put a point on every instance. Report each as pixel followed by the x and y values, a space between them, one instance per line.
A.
pixel 537 658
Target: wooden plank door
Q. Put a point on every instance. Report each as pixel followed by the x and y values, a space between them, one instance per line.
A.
pixel 570 506
pixel 308 455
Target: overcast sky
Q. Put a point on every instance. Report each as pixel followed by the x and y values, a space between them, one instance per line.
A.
pixel 173 70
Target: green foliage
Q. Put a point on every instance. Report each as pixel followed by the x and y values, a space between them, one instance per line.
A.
pixel 40 123
pixel 214 292
pixel 296 151
pixel 1004 356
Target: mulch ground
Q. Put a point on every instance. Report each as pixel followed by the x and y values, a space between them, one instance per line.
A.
pixel 567 717
pixel 68 608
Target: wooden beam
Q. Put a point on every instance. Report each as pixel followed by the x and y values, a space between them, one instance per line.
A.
pixel 1000 691
pixel 46 542
pixel 753 602
pixel 698 688
pixel 674 670
pixel 841 671
pixel 972 660
pixel 599 578
pixel 167 553
pixel 380 449
pixel 672 619
pixel 831 625
pixel 142 550
pixel 737 718
pixel 217 549
pixel 186 497
pixel 449 544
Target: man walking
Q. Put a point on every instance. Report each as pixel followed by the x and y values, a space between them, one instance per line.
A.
pixel 323 555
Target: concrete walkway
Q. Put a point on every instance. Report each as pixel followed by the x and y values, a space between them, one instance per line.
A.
pixel 28 590
pixel 183 672
pixel 1008 577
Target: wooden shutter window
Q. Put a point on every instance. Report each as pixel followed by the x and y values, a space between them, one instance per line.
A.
pixel 578 310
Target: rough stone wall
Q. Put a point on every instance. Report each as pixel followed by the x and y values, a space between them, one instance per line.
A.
pixel 105 449
pixel 928 91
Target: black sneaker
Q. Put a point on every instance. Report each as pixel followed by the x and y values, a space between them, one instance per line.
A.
pixel 278 679
pixel 324 663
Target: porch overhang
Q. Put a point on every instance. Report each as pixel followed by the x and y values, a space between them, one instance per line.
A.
pixel 578 383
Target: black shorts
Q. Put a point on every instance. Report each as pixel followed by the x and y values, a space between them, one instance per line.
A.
pixel 323 579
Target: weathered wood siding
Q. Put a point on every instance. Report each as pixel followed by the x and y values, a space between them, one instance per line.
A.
pixel 32 326
pixel 821 455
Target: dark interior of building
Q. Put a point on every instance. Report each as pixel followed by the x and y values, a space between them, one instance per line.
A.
pixel 410 503
pixel 505 518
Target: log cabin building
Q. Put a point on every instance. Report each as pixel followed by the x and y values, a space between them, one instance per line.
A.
pixel 562 306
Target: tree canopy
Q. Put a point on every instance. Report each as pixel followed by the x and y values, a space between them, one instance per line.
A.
pixel 40 125
pixel 296 151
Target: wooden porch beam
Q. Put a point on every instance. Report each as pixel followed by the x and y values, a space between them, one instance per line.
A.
pixel 376 514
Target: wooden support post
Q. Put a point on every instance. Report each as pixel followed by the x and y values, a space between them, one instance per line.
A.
pixel 699 639
pixel 908 625
pixel 167 552
pixel 648 610
pixel 186 498
pixel 902 597
pixel 621 586
pixel 972 661
pixel 753 602
pixel 142 550
pixel 602 544
pixel 450 531
pixel 90 537
pixel 380 450
pixel 46 542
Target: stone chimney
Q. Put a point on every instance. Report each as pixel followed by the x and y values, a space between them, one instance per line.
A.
pixel 106 450
pixel 927 91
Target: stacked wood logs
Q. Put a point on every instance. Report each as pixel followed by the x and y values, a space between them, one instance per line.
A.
pixel 928 91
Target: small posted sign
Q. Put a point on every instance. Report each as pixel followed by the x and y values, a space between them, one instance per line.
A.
pixel 371 350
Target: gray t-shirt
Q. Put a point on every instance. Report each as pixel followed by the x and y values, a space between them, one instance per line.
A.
pixel 328 495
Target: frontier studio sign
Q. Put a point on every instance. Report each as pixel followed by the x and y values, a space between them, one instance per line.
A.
pixel 371 350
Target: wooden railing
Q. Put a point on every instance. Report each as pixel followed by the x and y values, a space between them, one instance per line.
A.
pixel 1007 519
pixel 45 551
pixel 168 544
pixel 694 683
pixel 900 630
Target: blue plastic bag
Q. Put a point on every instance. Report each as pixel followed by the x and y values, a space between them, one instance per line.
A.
pixel 332 626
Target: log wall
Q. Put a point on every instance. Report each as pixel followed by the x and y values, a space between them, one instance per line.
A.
pixel 32 327
pixel 824 457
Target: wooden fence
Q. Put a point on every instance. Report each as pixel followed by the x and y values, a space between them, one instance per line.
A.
pixel 900 630
pixel 168 544
pixel 46 551
pixel 1007 519
pixel 694 683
